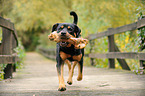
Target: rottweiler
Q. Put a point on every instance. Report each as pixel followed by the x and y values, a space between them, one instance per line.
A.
pixel 67 53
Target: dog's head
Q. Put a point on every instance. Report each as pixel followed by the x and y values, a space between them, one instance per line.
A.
pixel 65 29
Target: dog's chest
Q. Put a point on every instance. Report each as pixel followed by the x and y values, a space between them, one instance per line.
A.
pixel 71 50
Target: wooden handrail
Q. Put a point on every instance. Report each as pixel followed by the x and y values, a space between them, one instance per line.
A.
pixel 121 29
pixel 120 55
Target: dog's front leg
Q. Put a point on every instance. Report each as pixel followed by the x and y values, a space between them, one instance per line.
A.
pixel 60 66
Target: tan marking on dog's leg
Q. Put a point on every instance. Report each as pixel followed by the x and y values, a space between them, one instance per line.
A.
pixel 61 80
pixel 69 81
pixel 69 64
pixel 80 76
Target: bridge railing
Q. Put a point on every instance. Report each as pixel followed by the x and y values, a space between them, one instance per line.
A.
pixel 114 51
pixel 9 42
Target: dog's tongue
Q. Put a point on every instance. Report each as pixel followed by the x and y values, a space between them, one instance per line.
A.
pixel 63 44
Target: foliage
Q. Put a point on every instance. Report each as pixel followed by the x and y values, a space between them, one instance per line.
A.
pixel 6 6
pixel 0 34
pixel 2 66
pixel 21 54
pixel 45 43
pixel 141 35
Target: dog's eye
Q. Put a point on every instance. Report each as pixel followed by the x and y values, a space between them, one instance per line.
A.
pixel 60 28
pixel 70 29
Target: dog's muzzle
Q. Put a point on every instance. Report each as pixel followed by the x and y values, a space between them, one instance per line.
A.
pixel 64 36
pixel 63 33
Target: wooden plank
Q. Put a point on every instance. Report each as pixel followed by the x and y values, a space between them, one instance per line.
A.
pixel 121 55
pixel 6 24
pixel 141 56
pixel 124 55
pixel 122 62
pixel 97 55
pixel 8 59
pixel 128 27
pixel 141 23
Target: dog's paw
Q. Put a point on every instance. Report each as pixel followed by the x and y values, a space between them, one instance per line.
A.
pixel 79 78
pixel 62 88
pixel 69 82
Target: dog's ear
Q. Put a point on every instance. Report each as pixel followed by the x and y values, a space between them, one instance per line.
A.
pixel 77 31
pixel 55 27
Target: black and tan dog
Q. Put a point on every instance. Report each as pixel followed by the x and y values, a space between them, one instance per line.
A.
pixel 67 52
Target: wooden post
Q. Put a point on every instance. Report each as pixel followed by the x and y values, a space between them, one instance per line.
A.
pixel 91 50
pixel 142 62
pixel 7 50
pixel 8 71
pixel 111 48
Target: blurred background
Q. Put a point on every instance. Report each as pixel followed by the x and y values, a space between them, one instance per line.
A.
pixel 34 19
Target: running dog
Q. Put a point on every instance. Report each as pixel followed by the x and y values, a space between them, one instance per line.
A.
pixel 70 49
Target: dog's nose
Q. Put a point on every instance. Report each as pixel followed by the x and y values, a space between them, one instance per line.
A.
pixel 63 33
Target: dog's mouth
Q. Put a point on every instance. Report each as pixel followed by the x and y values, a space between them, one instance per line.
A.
pixel 63 44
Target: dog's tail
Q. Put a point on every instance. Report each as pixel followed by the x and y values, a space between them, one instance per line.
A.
pixel 75 17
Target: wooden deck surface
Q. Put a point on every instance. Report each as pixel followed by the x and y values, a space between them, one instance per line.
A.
pixel 39 78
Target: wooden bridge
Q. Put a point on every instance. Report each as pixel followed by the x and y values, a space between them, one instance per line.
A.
pixel 39 76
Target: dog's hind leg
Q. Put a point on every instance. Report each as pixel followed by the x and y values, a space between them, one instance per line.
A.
pixel 69 81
